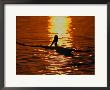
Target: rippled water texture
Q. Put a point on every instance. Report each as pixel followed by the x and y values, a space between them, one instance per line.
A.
pixel 75 54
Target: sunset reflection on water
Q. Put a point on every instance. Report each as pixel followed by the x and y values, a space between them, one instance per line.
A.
pixel 60 25
pixel 34 34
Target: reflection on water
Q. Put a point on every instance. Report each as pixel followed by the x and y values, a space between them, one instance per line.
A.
pixel 60 25
pixel 74 32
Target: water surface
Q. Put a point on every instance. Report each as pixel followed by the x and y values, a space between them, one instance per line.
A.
pixel 74 32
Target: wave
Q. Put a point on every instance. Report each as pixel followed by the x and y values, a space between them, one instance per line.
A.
pixel 61 50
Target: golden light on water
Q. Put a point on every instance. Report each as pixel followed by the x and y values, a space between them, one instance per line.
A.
pixel 60 25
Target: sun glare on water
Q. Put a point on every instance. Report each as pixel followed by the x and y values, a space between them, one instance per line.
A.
pixel 60 25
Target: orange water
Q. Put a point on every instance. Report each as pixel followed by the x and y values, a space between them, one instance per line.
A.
pixel 73 31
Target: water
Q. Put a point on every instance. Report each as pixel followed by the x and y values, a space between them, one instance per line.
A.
pixel 75 32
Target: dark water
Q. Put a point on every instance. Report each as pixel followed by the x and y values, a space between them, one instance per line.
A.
pixel 76 33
